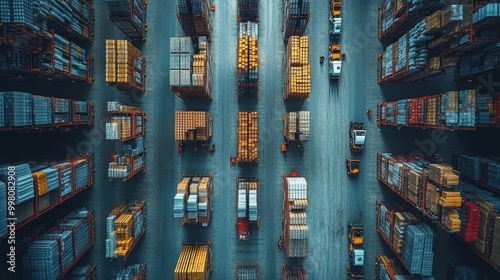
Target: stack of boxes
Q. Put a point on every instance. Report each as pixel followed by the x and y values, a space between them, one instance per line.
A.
pixel 297 69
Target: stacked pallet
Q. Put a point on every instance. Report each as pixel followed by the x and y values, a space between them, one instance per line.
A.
pixel 486 110
pixel 495 244
pixel 61 110
pixel 17 110
pixel 294 273
pixel 417 252
pixel 125 65
pixel 25 191
pixel 451 219
pixel 195 193
pixel 402 112
pixel 450 108
pixel 433 22
pixel 296 126
pixel 296 230
pixel 130 161
pixel 414 180
pixel 248 58
pixel 469 217
pixel 297 69
pixel 86 272
pixel 194 262
pixel 464 272
pixel 248 137
pixel 124 227
pixel 46 181
pixel 132 272
pixel 127 122
pixel 247 272
pixel 195 17
pixel 129 16
pixel 415 111
pixel 192 126
pixel 431 111
pixel 56 251
pixel 443 175
pixel 388 270
pixel 467 108
pixel 432 197
pixel 42 110
pixel 248 10
pixel 401 222
pixel 296 16
pixel 494 175
pixel 450 200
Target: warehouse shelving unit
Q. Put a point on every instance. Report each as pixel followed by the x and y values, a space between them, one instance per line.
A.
pixel 295 17
pixel 248 10
pixel 195 261
pixel 247 272
pixel 133 209
pixel 483 182
pixel 196 20
pixel 74 122
pixel 294 272
pixel 87 272
pixel 133 23
pixel 84 14
pixel 46 228
pixel 194 184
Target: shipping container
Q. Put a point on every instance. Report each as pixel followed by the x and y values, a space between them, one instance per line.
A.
pixel 248 137
pixel 247 75
pixel 295 228
pixel 21 111
pixel 295 17
pixel 195 17
pixel 452 110
pixel 132 272
pixel 190 70
pixel 247 207
pixel 125 66
pixel 294 272
pixel 193 200
pixel 296 126
pixel 297 71
pixel 395 17
pixel 247 272
pixel 86 272
pixel 130 17
pixel 42 186
pixel 388 269
pixel 415 248
pixel 53 254
pixel 195 262
pixel 248 10
pixel 125 226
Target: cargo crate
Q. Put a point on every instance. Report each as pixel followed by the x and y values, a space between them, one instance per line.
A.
pixel 247 272
pixel 295 17
pixel 297 69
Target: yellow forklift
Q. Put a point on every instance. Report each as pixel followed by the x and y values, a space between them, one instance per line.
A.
pixel 352 165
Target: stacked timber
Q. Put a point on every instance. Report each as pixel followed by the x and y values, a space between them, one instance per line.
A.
pixel 297 69
pixel 248 136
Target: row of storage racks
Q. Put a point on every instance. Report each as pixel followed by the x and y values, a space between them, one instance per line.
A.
pixel 191 78
pixel 462 201
pixel 127 126
pixel 47 39
pixel 429 39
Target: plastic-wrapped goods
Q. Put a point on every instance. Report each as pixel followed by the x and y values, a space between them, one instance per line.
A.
pixel 66 177
pixel 42 110
pixel 417 252
pixel 18 110
pixel 61 110
pixel 23 180
pixel 41 261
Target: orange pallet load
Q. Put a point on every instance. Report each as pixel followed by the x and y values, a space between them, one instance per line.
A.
pixel 125 226
pixel 248 137
pixel 297 69
pixel 191 127
pixel 195 262
pixel 125 66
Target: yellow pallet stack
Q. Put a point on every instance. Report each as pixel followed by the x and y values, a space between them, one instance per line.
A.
pixel 248 134
pixel 194 262
pixel 121 58
pixel 297 68
pixel 413 186
pixel 124 234
pixel 443 175
pixel 432 199
pixel 431 111
pixel 451 220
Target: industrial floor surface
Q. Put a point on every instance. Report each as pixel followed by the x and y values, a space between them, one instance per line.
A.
pixel 334 198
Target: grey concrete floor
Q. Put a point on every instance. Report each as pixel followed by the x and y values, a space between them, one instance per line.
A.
pixel 334 199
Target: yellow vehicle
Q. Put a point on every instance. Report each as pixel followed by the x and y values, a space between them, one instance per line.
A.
pixel 352 165
pixel 335 61
pixel 356 254
pixel 336 7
